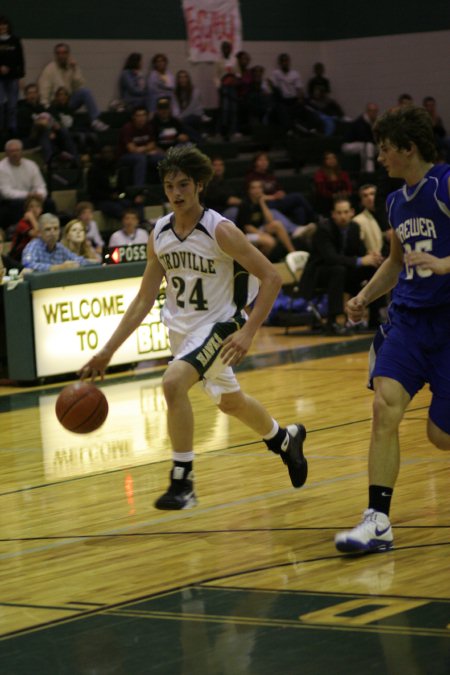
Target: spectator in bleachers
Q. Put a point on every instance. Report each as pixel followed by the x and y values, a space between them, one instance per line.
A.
pixel 440 134
pixel 12 69
pixel 130 233
pixel 106 184
pixel 256 220
pixel 243 87
pixel 374 238
pixel 37 128
pixel 28 226
pixel 225 80
pixel 359 138
pixel 137 146
pixel 160 82
pixel 132 86
pixel 167 129
pixel 219 196
pixel 45 253
pixel 63 71
pixel 187 105
pixel 330 182
pixel 288 91
pixel 84 212
pixel 74 238
pixel 318 80
pixel 260 99
pixel 327 108
pixel 292 209
pixel 405 100
pixel 19 178
pixel 338 263
pixel 7 261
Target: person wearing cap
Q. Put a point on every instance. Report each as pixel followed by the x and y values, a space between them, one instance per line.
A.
pixel 167 129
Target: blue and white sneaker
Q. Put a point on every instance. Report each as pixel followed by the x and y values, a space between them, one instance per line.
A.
pixel 373 534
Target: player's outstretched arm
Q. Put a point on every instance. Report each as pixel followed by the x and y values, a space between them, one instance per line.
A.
pixel 235 244
pixel 133 317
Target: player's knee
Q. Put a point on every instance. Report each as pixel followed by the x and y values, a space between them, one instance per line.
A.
pixel 171 387
pixel 231 404
pixel 386 411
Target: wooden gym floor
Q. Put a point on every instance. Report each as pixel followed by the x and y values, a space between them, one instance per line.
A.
pixel 94 580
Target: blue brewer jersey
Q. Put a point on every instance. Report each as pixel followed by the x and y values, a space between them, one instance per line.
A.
pixel 420 217
pixel 204 284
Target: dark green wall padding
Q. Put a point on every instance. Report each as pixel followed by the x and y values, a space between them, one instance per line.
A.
pixel 285 20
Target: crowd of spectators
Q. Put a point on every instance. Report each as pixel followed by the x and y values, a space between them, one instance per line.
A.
pixel 159 109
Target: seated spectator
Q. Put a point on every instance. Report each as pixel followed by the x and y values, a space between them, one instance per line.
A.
pixel 73 125
pixel 28 226
pixel 130 233
pixel 244 83
pixel 137 146
pixel 330 182
pixel 7 262
pixel 161 82
pixel 440 134
pixel 328 110
pixel 74 238
pixel 12 69
pixel 167 129
pixel 225 81
pixel 63 71
pixel 374 238
pixel 288 91
pixel 132 87
pixel 405 100
pixel 292 209
pixel 84 212
pixel 359 138
pixel 256 220
pixel 106 184
pixel 38 128
pixel 338 263
pixel 260 99
pixel 46 254
pixel 187 106
pixel 219 196
pixel 318 80
pixel 19 179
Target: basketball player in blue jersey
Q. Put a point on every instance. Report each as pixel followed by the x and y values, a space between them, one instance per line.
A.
pixel 212 272
pixel 413 347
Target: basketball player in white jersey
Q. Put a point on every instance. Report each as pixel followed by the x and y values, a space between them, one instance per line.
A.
pixel 212 273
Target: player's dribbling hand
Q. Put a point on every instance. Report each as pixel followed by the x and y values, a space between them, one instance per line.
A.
pixel 96 366
pixel 355 309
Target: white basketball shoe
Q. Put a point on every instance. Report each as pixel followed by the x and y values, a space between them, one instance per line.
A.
pixel 373 534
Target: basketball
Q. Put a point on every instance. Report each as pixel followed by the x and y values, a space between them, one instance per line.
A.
pixel 81 407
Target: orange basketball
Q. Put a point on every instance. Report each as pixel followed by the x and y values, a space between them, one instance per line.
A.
pixel 81 407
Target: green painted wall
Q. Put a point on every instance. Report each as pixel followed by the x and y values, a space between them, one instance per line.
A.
pixel 282 20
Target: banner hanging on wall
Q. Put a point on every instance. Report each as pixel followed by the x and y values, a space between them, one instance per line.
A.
pixel 208 24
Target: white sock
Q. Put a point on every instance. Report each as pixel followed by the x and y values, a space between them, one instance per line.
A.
pixel 273 431
pixel 183 456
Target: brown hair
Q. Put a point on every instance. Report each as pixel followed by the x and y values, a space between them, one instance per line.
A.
pixel 403 126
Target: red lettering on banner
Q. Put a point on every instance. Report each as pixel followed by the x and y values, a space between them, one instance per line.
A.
pixel 207 29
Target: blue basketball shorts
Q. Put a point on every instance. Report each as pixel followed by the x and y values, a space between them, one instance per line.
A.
pixel 413 348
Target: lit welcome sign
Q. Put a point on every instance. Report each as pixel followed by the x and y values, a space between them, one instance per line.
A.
pixel 73 322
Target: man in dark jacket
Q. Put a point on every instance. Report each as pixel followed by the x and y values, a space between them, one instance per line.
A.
pixel 338 263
